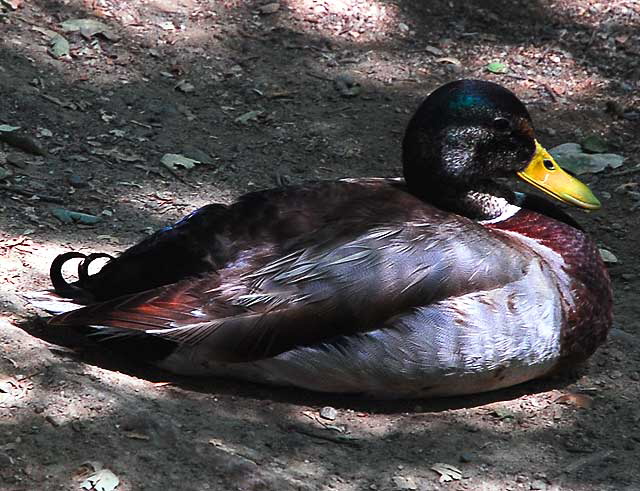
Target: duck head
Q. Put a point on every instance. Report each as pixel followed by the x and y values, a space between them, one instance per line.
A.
pixel 466 134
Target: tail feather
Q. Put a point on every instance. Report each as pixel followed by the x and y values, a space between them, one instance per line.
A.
pixel 51 302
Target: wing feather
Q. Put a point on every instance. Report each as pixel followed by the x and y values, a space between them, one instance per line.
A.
pixel 313 294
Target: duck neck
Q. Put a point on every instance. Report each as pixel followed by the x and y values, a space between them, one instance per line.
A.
pixel 478 201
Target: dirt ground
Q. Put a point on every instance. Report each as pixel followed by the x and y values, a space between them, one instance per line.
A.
pixel 266 94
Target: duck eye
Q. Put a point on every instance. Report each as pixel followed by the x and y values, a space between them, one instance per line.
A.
pixel 502 124
pixel 548 164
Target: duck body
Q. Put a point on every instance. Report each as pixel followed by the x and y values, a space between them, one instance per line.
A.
pixel 358 286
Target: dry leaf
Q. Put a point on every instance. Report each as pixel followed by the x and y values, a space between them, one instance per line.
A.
pixel 434 51
pixel 87 468
pixel 6 127
pixel 12 387
pixel 175 161
pixel 89 28
pixel 62 103
pixel 447 472
pixel 449 59
pixel 117 154
pixel 581 401
pixel 58 47
pixel 136 436
pixel 184 86
pixel 607 256
pixel 248 116
pixel 103 480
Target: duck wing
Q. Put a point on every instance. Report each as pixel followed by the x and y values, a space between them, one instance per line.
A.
pixel 346 282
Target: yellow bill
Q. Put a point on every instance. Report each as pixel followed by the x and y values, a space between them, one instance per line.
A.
pixel 544 173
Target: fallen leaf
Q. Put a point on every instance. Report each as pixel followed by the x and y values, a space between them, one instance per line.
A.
pixel 175 161
pixel 167 25
pixel 503 413
pixel 497 67
pixel 68 216
pixel 571 157
pixel 248 116
pixel 11 4
pixel 58 46
pixel 62 103
pixel 450 60
pixel 581 401
pixel 136 436
pixel 102 480
pixel 8 385
pixel 48 33
pixel 594 144
pixel 434 51
pixel 22 141
pixel 607 256
pixel 347 85
pixel 87 468
pixel 89 28
pixel 6 127
pixel 447 472
pixel 131 184
pixel 184 86
pixel 110 238
pixel 107 117
pixel 117 154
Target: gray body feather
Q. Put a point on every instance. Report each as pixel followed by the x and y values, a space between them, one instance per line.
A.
pixel 458 331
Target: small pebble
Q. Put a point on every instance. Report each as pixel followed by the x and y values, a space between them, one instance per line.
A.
pixel 329 413
pixel 466 457
pixel 17 159
pixel 347 85
pixel 270 8
pixel 538 485
pixel 77 181
pixel 404 483
pixel 24 142
pixel 6 462
pixel 54 419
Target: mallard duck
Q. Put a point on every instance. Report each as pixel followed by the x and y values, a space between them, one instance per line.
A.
pixel 444 283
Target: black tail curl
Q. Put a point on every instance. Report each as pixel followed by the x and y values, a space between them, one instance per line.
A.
pixel 80 289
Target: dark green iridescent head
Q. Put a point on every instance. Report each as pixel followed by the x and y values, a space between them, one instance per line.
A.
pixel 466 131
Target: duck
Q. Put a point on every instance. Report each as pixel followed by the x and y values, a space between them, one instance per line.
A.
pixel 443 283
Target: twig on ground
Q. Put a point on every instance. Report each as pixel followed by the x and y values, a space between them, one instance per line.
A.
pixel 624 172
pixel 323 436
pixel 26 192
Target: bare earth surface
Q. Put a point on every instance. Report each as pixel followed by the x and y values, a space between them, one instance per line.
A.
pixel 266 94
